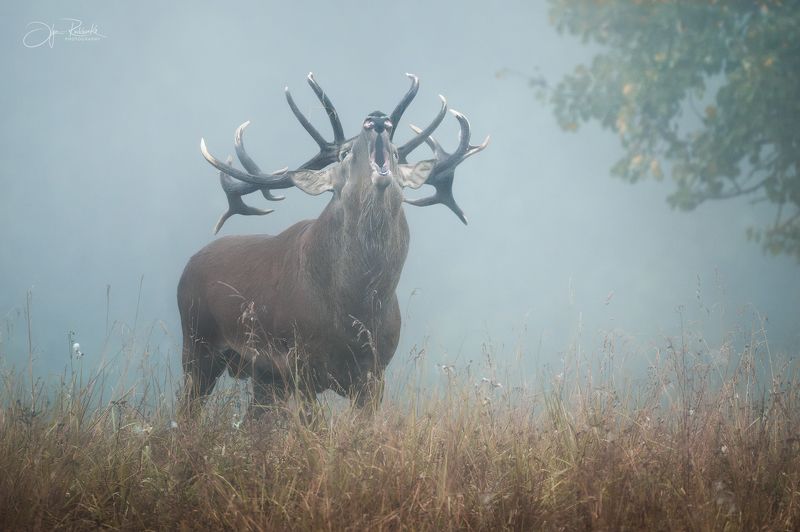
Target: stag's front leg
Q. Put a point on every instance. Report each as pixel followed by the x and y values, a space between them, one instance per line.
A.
pixel 268 392
pixel 366 392
pixel 309 408
pixel 304 386
pixel 202 366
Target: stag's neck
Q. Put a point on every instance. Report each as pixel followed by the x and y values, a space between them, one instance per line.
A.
pixel 357 248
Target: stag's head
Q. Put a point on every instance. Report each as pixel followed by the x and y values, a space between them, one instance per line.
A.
pixel 373 154
pixel 357 170
pixel 367 164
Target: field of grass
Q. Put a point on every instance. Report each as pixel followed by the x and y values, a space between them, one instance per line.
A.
pixel 705 441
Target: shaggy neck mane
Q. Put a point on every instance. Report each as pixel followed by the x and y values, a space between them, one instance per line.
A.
pixel 361 246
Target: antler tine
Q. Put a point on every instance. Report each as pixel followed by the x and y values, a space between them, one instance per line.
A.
pixel 328 151
pixel 279 179
pixel 464 149
pixel 441 177
pixel 422 135
pixel 336 124
pixel 432 143
pixel 234 190
pixel 404 103
pixel 319 139
pixel 248 163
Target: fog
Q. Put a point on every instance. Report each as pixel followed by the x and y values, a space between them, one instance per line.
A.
pixel 103 182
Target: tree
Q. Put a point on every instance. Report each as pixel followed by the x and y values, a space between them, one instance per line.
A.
pixel 706 92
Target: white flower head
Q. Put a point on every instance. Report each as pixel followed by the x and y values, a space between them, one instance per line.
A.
pixel 141 428
pixel 446 368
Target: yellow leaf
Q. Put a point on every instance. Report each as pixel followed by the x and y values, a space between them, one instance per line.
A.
pixel 622 124
pixel 627 89
pixel 655 168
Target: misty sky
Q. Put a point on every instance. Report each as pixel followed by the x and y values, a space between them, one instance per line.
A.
pixel 103 181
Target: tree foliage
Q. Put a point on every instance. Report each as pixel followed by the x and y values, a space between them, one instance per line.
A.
pixel 705 92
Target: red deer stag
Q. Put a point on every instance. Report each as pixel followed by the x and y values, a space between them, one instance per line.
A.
pixel 314 307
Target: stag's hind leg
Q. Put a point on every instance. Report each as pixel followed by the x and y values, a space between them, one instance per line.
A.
pixel 202 366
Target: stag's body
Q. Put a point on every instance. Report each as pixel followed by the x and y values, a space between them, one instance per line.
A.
pixel 314 307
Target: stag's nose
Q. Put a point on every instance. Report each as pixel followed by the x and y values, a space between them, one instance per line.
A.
pixel 378 122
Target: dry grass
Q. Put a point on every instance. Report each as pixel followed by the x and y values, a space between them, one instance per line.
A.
pixel 702 443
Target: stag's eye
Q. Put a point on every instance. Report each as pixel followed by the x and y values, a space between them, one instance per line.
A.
pixel 343 153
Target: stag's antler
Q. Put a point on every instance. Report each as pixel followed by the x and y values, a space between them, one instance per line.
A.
pixel 234 190
pixel 236 183
pixel 311 178
pixel 441 177
pixel 245 182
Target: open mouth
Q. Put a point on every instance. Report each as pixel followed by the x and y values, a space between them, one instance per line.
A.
pixel 380 157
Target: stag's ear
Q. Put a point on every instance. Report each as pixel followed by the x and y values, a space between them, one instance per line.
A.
pixel 415 175
pixel 315 182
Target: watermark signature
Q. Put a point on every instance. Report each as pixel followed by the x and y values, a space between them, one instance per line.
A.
pixel 71 29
